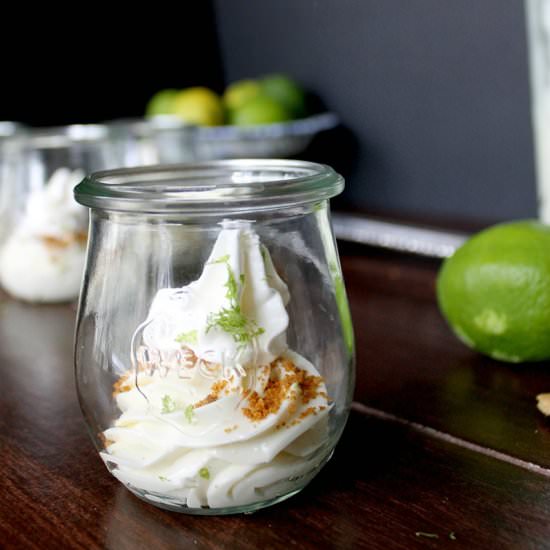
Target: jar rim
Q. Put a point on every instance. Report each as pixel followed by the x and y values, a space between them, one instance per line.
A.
pixel 54 137
pixel 235 185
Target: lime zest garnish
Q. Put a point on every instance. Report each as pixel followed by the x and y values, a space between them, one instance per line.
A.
pixel 233 322
pixel 190 337
pixel 204 473
pixel 263 252
pixel 342 305
pixel 231 319
pixel 189 413
pixel 220 260
pixel 162 478
pixel 168 405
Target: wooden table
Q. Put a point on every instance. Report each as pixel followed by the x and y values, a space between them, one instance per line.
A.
pixel 443 449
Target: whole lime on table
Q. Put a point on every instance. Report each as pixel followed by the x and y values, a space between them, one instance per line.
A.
pixel 494 291
pixel 199 105
pixel 259 110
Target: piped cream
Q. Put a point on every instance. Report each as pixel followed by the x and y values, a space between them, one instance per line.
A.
pixel 218 412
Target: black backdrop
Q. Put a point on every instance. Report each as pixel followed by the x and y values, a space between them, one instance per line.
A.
pixel 86 64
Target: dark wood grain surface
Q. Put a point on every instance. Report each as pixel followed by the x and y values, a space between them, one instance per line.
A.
pixel 441 442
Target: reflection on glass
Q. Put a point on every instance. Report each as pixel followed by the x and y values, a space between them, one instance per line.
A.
pixel 538 30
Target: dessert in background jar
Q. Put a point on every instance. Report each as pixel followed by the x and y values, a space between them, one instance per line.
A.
pixel 43 258
pixel 42 252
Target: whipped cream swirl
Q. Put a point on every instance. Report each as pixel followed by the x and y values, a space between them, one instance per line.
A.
pixel 219 413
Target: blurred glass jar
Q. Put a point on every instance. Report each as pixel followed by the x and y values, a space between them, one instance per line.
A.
pixel 144 142
pixel 42 256
pixel 214 349
pixel 10 147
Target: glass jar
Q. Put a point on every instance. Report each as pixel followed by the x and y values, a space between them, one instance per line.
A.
pixel 214 347
pixel 42 256
pixel 10 148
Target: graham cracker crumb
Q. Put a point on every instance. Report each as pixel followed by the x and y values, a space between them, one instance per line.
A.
pixel 307 412
pixel 54 242
pixel 106 442
pixel 81 237
pixel 276 390
pixel 215 392
pixel 123 384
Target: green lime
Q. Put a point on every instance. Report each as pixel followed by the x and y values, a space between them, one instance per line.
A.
pixel 287 92
pixel 238 93
pixel 259 110
pixel 495 291
pixel 162 103
pixel 199 105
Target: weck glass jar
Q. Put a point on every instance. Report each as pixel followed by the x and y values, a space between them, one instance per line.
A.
pixel 214 347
